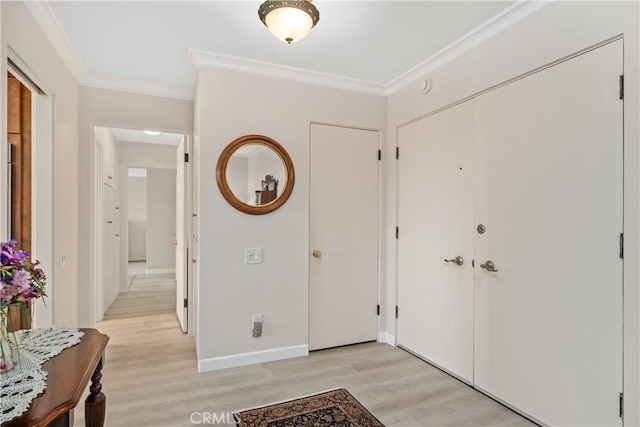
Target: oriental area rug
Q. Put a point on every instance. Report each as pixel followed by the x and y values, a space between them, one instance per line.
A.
pixel 332 408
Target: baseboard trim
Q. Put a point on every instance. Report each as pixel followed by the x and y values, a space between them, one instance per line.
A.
pixel 243 359
pixel 386 338
pixel 160 271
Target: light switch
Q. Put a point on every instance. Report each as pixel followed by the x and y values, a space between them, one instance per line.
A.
pixel 253 255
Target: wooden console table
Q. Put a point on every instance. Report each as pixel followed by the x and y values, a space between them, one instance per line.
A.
pixel 68 376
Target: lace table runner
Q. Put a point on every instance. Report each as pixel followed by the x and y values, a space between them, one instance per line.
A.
pixel 27 380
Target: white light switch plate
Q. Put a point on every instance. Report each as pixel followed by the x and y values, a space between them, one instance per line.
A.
pixel 253 255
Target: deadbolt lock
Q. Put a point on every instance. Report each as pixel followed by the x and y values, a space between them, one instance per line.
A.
pixel 481 228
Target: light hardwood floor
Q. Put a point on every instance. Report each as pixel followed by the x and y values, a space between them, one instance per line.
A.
pixel 150 377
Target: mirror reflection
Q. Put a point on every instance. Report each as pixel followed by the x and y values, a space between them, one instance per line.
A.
pixel 256 174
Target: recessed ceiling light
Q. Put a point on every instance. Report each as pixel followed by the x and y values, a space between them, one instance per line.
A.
pixel 152 132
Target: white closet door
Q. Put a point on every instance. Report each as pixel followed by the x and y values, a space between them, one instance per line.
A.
pixel 435 298
pixel 343 264
pixel 548 323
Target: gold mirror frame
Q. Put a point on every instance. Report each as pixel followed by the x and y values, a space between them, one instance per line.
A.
pixel 223 185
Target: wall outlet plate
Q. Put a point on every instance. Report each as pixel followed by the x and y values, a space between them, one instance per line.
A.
pixel 256 325
pixel 253 255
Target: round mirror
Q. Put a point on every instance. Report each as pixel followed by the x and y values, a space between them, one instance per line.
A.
pixel 255 174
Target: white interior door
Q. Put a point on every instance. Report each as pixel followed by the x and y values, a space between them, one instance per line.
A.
pixel 181 234
pixel 548 323
pixel 435 298
pixel 343 280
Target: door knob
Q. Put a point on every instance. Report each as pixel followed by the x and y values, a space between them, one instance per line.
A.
pixel 316 253
pixel 457 260
pixel 489 266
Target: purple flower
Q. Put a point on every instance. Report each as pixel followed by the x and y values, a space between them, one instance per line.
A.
pixel 20 279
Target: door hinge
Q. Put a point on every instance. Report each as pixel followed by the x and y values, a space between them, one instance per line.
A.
pixel 621 405
pixel 186 157
pixel 621 245
pixel 396 311
pixel 621 87
pixel 185 303
pixel 397 152
pixel 397 232
pixel 379 154
pixel 378 310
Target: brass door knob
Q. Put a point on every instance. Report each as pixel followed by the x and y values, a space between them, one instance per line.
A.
pixel 316 253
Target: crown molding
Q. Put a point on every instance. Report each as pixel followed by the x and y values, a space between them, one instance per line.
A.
pixel 504 20
pixel 200 58
pixel 52 28
pixel 48 21
pixel 139 87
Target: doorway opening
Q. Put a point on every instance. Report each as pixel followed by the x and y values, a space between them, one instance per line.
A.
pixel 27 191
pixel 141 235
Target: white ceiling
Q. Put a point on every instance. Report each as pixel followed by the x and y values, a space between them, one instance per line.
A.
pixel 133 135
pixel 370 41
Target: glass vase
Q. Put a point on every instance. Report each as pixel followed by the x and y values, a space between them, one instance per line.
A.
pixel 7 349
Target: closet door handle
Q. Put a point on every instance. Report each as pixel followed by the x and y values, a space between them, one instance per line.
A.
pixel 457 260
pixel 489 266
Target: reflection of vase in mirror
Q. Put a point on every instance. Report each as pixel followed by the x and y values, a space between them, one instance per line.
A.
pixel 255 173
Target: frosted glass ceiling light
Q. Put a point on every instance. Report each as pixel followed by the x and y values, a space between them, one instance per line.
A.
pixel 289 20
pixel 152 132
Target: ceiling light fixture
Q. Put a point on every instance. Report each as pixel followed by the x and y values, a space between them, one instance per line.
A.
pixel 152 132
pixel 289 20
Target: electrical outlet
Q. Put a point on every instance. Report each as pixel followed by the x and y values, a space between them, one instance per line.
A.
pixel 256 325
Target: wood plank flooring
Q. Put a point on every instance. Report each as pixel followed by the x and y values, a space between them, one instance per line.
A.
pixel 150 377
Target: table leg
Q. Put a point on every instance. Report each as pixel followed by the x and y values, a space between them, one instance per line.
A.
pixel 96 403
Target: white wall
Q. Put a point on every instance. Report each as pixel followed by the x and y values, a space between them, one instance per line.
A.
pixel 115 109
pixel 137 222
pixel 553 33
pixel 42 63
pixel 161 219
pixel 237 169
pixel 229 291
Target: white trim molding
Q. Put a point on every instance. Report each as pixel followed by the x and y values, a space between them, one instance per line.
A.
pixel 139 87
pixel 48 21
pixel 386 338
pixel 517 12
pixel 200 58
pixel 243 359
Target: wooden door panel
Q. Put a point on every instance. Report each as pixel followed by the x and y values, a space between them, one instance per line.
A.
pixel 19 137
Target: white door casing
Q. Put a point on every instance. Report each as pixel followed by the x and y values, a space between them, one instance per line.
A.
pixel 42 203
pixel 548 324
pixel 435 222
pixel 181 233
pixel 344 223
pixel 108 247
